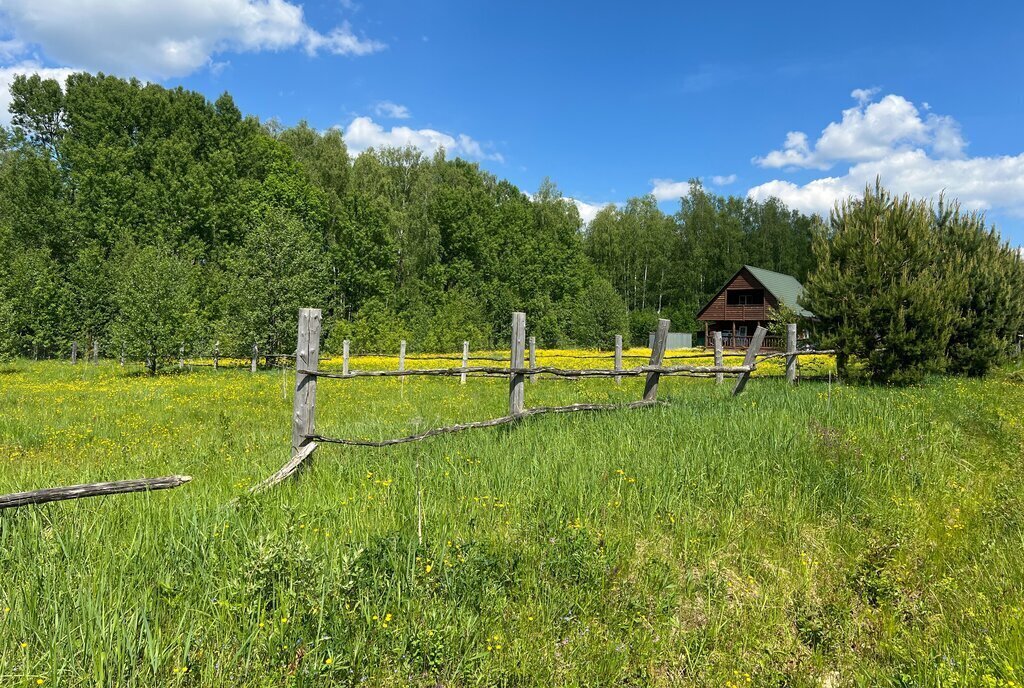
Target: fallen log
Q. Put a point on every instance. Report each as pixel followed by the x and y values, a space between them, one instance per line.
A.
pixel 59 494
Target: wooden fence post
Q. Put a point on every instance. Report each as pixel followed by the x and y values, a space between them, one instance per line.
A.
pixel 216 355
pixel 618 357
pixel 401 355
pixel 74 353
pixel 516 392
pixel 344 357
pixel 181 357
pixel 307 358
pixel 122 355
pixel 657 356
pixel 255 354
pixel 465 361
pixel 719 357
pixel 95 352
pixel 750 359
pixel 533 358
pixel 791 351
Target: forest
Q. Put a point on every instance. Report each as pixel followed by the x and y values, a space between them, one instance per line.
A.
pixel 150 218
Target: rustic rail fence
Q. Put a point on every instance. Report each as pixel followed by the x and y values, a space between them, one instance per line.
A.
pixel 306 438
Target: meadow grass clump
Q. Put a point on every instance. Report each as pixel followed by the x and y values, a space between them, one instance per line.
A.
pixel 793 536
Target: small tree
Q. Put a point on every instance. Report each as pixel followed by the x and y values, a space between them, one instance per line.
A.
pixel 597 315
pixel 883 290
pixel 155 294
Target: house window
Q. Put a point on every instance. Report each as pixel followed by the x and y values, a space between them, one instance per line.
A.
pixel 744 297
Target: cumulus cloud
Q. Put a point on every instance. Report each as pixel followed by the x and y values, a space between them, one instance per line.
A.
pixel 363 133
pixel 588 211
pixel 165 38
pixel 386 108
pixel 668 189
pixel 921 155
pixel 726 180
pixel 7 75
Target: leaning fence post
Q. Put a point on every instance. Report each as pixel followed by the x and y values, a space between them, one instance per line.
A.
pixel 750 359
pixel 465 361
pixel 791 353
pixel 657 355
pixel 344 357
pixel 516 393
pixel 533 358
pixel 74 353
pixel 255 354
pixel 618 357
pixel 719 358
pixel 307 361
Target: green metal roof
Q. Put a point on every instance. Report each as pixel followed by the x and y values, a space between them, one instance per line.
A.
pixel 785 288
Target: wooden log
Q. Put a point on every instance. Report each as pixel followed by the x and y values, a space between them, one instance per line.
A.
pixel 307 358
pixel 465 361
pixel 401 355
pixel 533 358
pixel 344 357
pixel 59 494
pixel 750 360
pixel 791 359
pixel 74 353
pixel 516 391
pixel 719 356
pixel 618 357
pixel 282 473
pixel 495 371
pixel 657 354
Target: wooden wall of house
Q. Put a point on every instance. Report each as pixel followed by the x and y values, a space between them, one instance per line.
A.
pixel 719 310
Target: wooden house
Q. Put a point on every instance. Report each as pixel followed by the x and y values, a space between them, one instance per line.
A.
pixel 744 302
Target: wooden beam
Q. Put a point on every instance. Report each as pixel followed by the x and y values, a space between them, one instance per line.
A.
pixel 750 359
pixel 618 357
pixel 791 359
pixel 59 494
pixel 307 358
pixel 657 355
pixel 719 357
pixel 516 391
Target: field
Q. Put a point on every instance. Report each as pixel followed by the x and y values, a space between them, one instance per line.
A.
pixel 807 536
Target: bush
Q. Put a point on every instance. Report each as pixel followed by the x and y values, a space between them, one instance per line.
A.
pixel 597 315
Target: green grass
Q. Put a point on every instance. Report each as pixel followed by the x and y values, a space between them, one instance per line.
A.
pixel 776 539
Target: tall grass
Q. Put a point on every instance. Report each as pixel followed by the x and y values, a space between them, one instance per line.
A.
pixel 871 536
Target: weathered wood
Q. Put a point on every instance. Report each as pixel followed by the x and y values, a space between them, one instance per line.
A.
pixel 307 358
pixel 95 352
pixel 533 358
pixel 344 357
pixel 618 357
pixel 791 359
pixel 549 370
pixel 465 360
pixel 216 355
pixel 122 355
pixel 293 464
pixel 516 391
pixel 719 357
pixel 74 353
pixel 750 359
pixel 401 355
pixel 59 494
pixel 535 411
pixel 657 354
pixel 255 356
pixel 181 357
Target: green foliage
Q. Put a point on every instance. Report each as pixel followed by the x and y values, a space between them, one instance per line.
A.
pixel 908 291
pixel 157 310
pixel 597 315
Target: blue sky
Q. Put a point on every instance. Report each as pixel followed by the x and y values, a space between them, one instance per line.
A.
pixel 611 100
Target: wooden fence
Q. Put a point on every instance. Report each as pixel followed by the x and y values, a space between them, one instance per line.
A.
pixel 305 437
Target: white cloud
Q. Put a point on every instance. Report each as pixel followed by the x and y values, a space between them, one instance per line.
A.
pixel 864 95
pixel 386 108
pixel 363 133
pixel 588 211
pixel 877 143
pixel 7 75
pixel 669 190
pixel 869 131
pixel 165 38
pixel 719 180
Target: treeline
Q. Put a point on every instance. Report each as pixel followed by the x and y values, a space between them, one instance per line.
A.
pixel 905 288
pixel 150 218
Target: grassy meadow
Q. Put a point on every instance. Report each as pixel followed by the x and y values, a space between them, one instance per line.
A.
pixel 804 536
